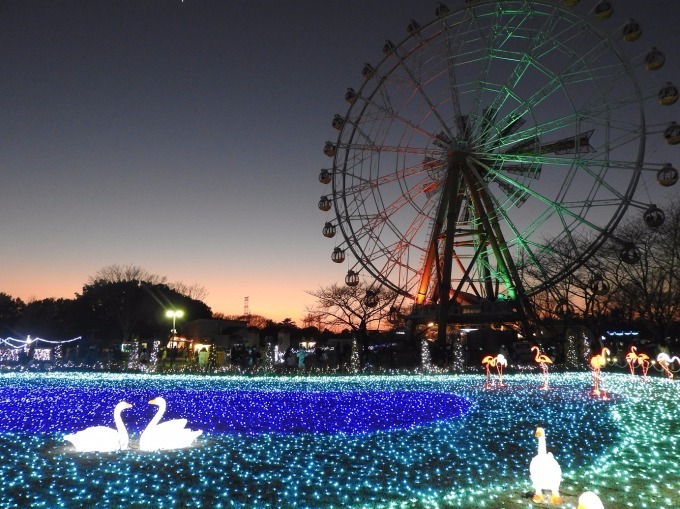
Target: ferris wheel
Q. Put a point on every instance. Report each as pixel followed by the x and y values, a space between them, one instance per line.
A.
pixel 489 137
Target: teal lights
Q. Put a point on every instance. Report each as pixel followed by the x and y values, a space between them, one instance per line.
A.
pixel 623 449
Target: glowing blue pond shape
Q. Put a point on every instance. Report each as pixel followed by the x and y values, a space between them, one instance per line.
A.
pixel 55 409
pixel 287 443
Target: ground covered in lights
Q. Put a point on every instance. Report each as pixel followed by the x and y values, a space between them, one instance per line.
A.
pixel 310 442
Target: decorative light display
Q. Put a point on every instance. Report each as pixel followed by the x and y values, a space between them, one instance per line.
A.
pixel 571 350
pixel 425 358
pixel 597 362
pixel 102 438
pixel 269 357
pixel 166 435
pixel 212 357
pixel 39 349
pixel 665 361
pixel 341 441
pixel 458 364
pixel 543 360
pixel 589 500
pixel 133 359
pixel 499 361
pixel 545 472
pixel 355 363
pixel 154 357
pixel 641 359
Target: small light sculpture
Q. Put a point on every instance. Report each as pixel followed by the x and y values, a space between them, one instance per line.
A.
pixel 166 435
pixel 589 500
pixel 498 362
pixel 543 360
pixel 103 438
pixel 545 472
pixel 642 360
pixel 665 361
pixel 598 362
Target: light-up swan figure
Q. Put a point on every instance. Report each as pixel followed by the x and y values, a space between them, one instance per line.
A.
pixel 166 435
pixel 589 500
pixel 641 360
pixel 498 362
pixel 598 362
pixel 543 360
pixel 665 361
pixel 102 438
pixel 545 472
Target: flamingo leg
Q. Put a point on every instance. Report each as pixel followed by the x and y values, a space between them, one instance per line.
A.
pixel 544 368
pixel 596 382
pixel 664 366
pixel 645 367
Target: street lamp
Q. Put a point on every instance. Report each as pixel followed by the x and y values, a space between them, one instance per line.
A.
pixel 174 314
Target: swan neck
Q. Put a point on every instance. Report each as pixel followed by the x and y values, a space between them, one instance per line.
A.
pixel 124 438
pixel 159 414
pixel 542 449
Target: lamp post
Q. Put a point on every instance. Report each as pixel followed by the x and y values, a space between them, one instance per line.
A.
pixel 174 314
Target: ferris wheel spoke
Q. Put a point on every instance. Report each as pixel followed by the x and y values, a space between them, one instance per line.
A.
pixel 557 81
pixel 421 151
pixel 388 112
pixel 364 184
pixel 595 169
pixel 541 198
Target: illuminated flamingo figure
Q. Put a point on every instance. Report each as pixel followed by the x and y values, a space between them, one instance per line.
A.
pixel 498 362
pixel 543 360
pixel 641 360
pixel 665 361
pixel 598 362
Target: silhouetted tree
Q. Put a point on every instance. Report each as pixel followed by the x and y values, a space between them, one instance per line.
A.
pixel 127 309
pixel 52 319
pixel 358 308
pixel 10 312
pixel 649 290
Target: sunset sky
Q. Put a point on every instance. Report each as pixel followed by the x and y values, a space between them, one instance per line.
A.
pixel 186 137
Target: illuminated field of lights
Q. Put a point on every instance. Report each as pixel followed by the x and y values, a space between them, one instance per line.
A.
pixel 322 442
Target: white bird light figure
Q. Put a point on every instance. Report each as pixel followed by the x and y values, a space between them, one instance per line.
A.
pixel 665 361
pixel 545 472
pixel 170 434
pixel 589 500
pixel 103 438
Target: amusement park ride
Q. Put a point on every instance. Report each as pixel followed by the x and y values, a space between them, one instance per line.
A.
pixel 489 138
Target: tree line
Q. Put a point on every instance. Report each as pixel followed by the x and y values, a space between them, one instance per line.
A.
pixel 119 302
pixel 632 281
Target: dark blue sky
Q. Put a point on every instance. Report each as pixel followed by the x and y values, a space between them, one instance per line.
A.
pixel 186 137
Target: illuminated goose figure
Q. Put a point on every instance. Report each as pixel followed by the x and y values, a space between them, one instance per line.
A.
pixel 665 361
pixel 641 359
pixel 543 360
pixel 166 435
pixel 102 438
pixel 598 362
pixel 545 472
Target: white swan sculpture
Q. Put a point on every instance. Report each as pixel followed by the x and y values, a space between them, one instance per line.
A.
pixel 545 472
pixel 166 435
pixel 102 438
